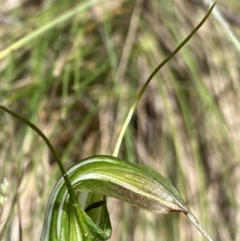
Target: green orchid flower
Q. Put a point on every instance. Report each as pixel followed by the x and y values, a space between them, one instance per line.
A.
pixel 110 176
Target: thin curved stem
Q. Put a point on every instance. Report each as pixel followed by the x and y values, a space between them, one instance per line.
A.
pixel 133 107
pixel 40 133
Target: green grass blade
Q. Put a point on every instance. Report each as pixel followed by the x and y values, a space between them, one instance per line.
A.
pixel 65 17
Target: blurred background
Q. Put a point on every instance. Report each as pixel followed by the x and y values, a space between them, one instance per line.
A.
pixel 76 81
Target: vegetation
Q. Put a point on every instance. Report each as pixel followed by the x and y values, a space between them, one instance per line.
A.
pixel 75 77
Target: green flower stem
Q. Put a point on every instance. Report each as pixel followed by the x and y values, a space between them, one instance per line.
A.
pixel 133 107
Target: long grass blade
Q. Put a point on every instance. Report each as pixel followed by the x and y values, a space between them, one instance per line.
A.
pixel 65 17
